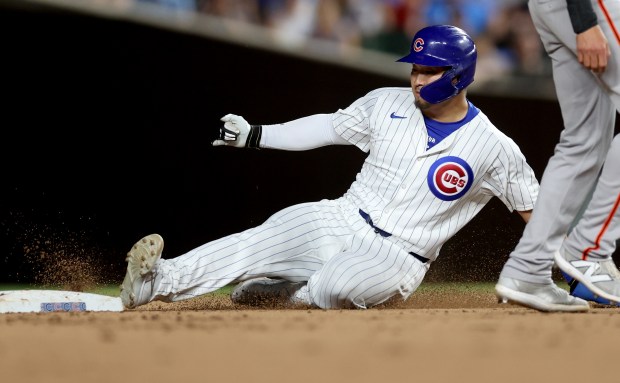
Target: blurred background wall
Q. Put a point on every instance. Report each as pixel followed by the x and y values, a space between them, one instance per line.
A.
pixel 109 108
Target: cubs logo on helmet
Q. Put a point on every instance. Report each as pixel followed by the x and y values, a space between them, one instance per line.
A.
pixel 449 178
pixel 418 44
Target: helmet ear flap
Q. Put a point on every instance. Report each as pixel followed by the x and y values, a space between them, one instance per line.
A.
pixel 442 89
pixel 466 76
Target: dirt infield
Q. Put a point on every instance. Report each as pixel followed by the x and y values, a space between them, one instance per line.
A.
pixel 436 336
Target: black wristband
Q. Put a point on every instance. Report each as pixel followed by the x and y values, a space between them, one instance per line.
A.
pixel 582 15
pixel 253 140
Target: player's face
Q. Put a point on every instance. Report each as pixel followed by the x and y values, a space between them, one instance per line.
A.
pixel 421 76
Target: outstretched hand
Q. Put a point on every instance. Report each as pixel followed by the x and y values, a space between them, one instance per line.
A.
pixel 234 132
pixel 593 49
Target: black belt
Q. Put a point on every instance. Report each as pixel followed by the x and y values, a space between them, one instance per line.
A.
pixel 385 234
pixel 368 220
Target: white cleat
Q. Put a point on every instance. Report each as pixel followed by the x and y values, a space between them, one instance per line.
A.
pixel 542 297
pixel 600 276
pixel 140 261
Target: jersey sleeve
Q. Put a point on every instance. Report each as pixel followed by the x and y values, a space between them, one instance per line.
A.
pixel 582 15
pixel 353 123
pixel 302 134
pixel 511 178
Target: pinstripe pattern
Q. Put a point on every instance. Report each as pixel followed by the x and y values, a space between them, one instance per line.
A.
pixel 392 187
pixel 328 244
pixel 294 242
pixel 371 270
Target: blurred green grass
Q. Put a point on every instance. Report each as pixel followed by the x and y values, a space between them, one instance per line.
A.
pixel 113 290
pixel 109 290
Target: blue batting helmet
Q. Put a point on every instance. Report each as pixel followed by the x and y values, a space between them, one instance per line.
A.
pixel 444 46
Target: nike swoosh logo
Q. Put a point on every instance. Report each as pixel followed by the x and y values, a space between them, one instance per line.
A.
pixel 393 115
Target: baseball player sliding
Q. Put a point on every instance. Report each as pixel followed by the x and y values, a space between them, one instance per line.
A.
pixel 434 161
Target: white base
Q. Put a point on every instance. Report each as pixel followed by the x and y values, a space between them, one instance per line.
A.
pixel 24 301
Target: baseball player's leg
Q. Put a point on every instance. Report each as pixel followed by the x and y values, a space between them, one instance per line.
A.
pixel 586 253
pixel 292 244
pixel 372 270
pixel 140 261
pixel 589 118
pixel 267 291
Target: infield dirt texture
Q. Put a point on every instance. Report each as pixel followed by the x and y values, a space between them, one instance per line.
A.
pixel 140 98
pixel 438 335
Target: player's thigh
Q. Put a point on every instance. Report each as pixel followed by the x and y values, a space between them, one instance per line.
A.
pixel 299 240
pixel 299 231
pixel 316 227
pixel 366 274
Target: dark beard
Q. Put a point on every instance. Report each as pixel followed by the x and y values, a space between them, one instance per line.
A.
pixel 421 104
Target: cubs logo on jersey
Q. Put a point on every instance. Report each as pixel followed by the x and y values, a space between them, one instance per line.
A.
pixel 449 178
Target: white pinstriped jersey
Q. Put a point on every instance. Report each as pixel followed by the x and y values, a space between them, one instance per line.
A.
pixel 423 197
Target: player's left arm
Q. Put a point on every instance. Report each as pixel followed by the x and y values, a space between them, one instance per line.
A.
pixel 525 214
pixel 512 179
pixel 593 49
pixel 302 134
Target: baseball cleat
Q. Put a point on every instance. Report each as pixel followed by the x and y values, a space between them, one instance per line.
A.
pixel 594 280
pixel 140 261
pixel 579 290
pixel 265 291
pixel 542 297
